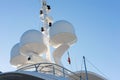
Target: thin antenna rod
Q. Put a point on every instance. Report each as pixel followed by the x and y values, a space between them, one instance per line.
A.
pixel 85 68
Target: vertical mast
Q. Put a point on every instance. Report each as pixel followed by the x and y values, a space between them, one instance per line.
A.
pixel 46 24
pixel 85 68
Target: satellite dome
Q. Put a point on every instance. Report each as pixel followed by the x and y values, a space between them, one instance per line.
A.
pixel 16 58
pixel 32 42
pixel 62 32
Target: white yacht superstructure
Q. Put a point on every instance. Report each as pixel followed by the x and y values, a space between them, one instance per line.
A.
pixel 27 55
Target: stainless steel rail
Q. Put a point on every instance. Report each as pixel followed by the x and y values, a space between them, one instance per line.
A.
pixel 51 68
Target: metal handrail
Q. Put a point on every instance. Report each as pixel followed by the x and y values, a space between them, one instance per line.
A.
pixel 55 69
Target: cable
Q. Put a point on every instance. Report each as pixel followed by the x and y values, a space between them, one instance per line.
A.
pixel 96 68
pixel 71 62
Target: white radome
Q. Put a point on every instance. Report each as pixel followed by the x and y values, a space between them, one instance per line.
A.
pixel 62 32
pixel 32 42
pixel 16 58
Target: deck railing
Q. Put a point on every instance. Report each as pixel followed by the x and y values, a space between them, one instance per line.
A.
pixel 51 68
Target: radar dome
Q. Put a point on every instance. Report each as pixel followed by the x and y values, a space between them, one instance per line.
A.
pixel 16 58
pixel 62 32
pixel 32 42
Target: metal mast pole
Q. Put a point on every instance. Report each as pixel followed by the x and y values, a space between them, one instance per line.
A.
pixel 44 16
pixel 85 68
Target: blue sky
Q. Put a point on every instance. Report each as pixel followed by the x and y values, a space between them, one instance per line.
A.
pixel 96 22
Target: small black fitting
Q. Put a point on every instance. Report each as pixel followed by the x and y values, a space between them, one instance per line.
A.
pixel 29 58
pixel 48 7
pixel 41 12
pixel 50 24
pixel 42 29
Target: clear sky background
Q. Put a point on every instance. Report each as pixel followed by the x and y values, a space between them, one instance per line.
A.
pixel 96 22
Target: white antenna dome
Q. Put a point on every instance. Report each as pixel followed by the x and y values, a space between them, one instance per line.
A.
pixel 16 58
pixel 62 32
pixel 32 42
